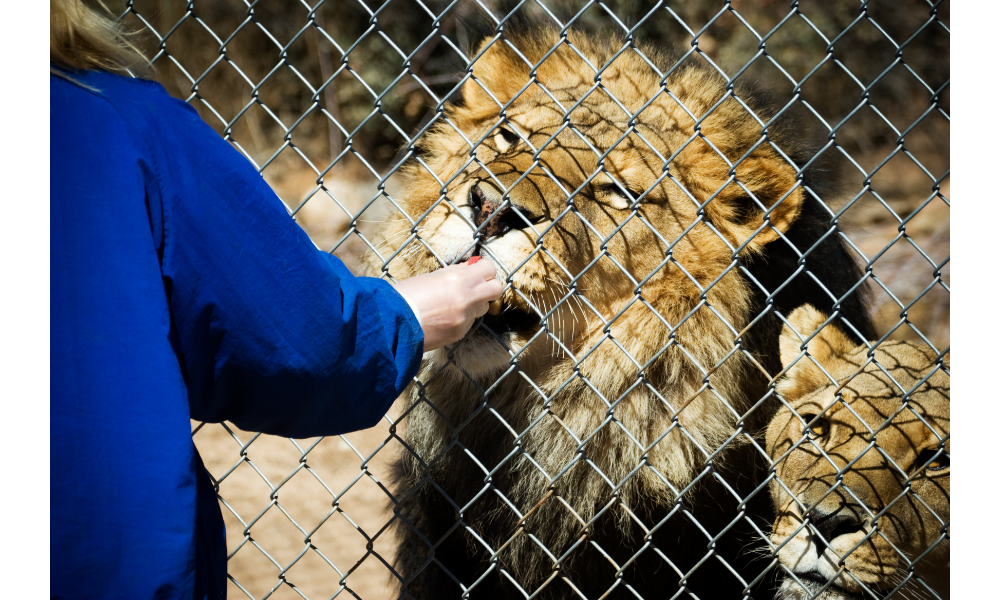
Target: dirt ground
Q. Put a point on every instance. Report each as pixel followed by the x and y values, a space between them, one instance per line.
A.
pixel 320 504
pixel 328 506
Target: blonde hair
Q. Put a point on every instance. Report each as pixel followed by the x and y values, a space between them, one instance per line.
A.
pixel 82 38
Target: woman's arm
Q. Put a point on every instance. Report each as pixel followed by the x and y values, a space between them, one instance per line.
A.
pixel 271 333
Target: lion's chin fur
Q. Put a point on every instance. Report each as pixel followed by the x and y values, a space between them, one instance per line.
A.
pixel 482 354
pixel 790 590
pixel 563 439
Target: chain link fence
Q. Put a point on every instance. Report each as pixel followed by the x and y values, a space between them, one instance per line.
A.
pixel 800 155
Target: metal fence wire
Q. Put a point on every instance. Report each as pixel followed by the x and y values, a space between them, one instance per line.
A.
pixel 650 414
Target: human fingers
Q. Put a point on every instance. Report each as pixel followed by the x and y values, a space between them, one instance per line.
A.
pixel 479 309
pixel 489 287
pixel 484 268
pixel 488 290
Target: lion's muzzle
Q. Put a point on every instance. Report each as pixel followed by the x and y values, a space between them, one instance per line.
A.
pixel 491 213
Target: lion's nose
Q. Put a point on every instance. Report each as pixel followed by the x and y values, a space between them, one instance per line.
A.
pixel 486 209
pixel 834 525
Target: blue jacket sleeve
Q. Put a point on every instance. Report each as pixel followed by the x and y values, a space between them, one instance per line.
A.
pixel 272 333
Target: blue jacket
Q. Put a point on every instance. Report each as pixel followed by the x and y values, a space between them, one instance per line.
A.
pixel 181 289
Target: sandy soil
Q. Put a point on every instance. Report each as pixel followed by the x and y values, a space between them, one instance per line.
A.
pixel 317 505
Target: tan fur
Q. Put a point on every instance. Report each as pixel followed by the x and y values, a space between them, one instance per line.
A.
pixel 859 398
pixel 585 410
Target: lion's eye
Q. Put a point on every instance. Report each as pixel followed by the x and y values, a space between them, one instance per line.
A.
pixel 617 196
pixel 815 427
pixel 933 460
pixel 505 139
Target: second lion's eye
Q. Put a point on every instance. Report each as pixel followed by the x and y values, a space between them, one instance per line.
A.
pixel 933 460
pixel 505 139
pixel 815 426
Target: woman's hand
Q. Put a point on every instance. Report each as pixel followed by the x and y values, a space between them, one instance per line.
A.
pixel 447 302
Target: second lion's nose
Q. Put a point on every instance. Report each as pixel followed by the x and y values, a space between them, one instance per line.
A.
pixel 489 217
pixel 832 526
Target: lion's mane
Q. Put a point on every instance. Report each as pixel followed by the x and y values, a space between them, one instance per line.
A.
pixel 550 471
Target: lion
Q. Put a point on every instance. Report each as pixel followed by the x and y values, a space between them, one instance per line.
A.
pixel 650 220
pixel 862 466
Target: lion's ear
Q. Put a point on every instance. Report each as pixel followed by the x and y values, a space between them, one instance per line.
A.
pixel 497 76
pixel 774 197
pixel 828 343
pixel 803 375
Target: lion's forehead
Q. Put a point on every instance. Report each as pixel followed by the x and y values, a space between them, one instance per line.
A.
pixel 595 115
pixel 878 400
pixel 853 413
pixel 876 394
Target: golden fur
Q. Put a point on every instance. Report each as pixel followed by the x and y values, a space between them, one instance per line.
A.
pixel 621 397
pixel 838 417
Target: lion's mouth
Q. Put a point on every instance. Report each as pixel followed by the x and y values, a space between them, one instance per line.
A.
pixel 511 320
pixel 813 582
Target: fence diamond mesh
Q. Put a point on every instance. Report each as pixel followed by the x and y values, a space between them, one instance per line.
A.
pixel 662 185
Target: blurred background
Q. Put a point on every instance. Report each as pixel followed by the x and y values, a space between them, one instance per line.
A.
pixel 324 101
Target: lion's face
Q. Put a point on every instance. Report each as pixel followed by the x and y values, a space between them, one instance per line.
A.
pixel 566 187
pixel 862 478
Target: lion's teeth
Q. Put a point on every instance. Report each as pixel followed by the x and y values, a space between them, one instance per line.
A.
pixel 495 307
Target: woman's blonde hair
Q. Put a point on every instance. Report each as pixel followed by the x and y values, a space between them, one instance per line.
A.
pixel 82 38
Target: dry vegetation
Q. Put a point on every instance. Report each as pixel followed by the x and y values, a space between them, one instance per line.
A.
pixel 265 93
